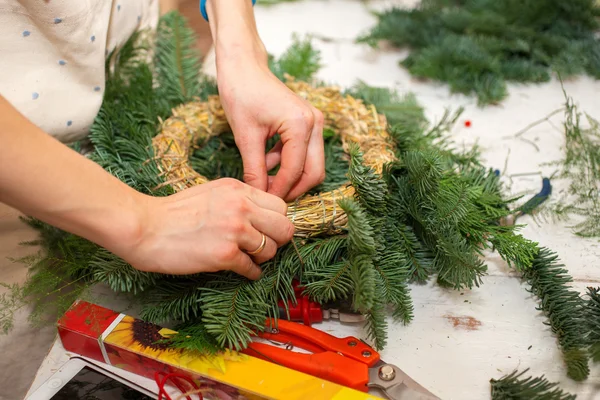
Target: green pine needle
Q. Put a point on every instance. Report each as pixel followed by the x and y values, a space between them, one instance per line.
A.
pixel 301 61
pixel 592 316
pixel 361 247
pixel 477 47
pixel 564 309
pixel 513 387
pixel 193 337
pixel 581 166
pixel 376 325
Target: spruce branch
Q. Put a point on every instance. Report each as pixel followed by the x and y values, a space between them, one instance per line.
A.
pixel 233 308
pixel 361 249
pixel 173 300
pixel 119 275
pixel 372 191
pixel 193 336
pixel 592 317
pixel 176 61
pixel 376 324
pixel 513 387
pixel 477 47
pixel 301 61
pixel 564 309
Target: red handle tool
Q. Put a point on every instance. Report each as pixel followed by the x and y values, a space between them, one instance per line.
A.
pixel 302 309
pixel 345 361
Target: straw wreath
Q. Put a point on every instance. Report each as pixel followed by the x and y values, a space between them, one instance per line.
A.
pixel 312 215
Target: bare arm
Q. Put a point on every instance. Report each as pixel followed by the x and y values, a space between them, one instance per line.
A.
pixel 45 179
pixel 206 228
pixel 210 227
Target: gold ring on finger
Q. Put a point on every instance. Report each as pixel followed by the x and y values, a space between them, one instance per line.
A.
pixel 261 247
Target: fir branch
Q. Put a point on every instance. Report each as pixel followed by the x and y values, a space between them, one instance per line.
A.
pixel 193 337
pixel 329 283
pixel 402 112
pixel 458 264
pixel 477 47
pixel 419 260
pixel 592 317
pixel 233 308
pixel 173 300
pixel 581 166
pixel 277 279
pixel 301 61
pixel 376 324
pixel 372 191
pixel 177 61
pixel 513 387
pixel 563 308
pixel 392 286
pixel 515 249
pixel 119 275
pixel 361 249
pixel 11 300
pixel 424 170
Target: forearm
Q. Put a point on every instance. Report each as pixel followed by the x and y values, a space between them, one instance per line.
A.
pixel 45 179
pixel 234 32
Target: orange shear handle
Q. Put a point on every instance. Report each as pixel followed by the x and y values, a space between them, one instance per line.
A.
pixel 326 365
pixel 345 361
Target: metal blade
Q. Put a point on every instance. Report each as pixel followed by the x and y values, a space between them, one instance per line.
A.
pixel 396 385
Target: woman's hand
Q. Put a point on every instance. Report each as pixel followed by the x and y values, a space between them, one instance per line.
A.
pixel 258 106
pixel 208 228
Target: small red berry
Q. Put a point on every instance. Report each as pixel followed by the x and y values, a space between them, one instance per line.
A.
pixel 467 123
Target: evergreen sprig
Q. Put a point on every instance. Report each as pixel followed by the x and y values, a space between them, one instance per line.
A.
pixel 476 47
pixel 176 63
pixel 301 60
pixel 514 387
pixel 361 249
pixel 592 315
pixel 581 166
pixel 564 308
pixel 192 337
pixel 233 309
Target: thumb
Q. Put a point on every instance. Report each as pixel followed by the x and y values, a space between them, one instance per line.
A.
pixel 252 150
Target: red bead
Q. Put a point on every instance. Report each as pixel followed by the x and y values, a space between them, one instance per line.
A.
pixel 467 123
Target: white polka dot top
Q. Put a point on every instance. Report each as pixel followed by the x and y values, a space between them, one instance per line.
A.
pixel 52 55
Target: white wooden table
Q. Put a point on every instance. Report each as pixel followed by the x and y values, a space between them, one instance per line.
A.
pixel 458 341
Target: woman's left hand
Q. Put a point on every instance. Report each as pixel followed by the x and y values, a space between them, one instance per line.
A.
pixel 258 106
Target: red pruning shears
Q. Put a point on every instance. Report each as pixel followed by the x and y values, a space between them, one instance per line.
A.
pixel 345 361
pixel 302 309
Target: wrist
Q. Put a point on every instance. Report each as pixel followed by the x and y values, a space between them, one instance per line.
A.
pixel 130 223
pixel 235 35
pixel 120 228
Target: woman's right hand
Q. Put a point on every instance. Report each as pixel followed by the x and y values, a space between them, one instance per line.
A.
pixel 208 228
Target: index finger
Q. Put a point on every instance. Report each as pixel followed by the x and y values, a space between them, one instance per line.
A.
pixel 293 157
pixel 252 150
